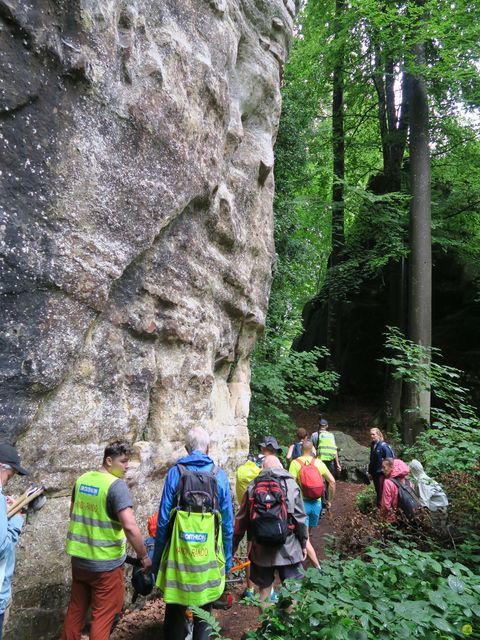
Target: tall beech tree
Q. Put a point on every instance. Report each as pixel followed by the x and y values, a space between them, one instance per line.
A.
pixel 371 87
pixel 420 281
pixel 334 331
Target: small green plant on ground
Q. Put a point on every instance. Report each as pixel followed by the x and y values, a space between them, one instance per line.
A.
pixel 399 593
pixel 212 622
pixel 366 499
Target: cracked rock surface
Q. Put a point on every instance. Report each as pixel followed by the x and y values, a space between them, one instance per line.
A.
pixel 136 243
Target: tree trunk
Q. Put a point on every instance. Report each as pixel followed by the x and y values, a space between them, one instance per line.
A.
pixel 420 285
pixel 338 206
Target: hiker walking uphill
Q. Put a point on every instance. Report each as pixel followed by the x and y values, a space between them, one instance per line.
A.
pixel 193 544
pixel 312 477
pixel 326 450
pixel 101 521
pixel 379 451
pixel 10 529
pixel 273 514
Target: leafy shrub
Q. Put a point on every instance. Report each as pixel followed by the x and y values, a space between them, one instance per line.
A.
pixel 463 491
pixel 453 440
pixel 366 500
pixel 400 593
pixel 282 377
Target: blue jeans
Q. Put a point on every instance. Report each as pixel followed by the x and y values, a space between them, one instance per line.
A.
pixel 2 615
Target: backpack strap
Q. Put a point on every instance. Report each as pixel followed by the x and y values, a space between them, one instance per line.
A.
pixel 405 486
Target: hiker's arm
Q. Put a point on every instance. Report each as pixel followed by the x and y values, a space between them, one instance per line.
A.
pixel 166 504
pixel 301 529
pixel 241 522
pixel 126 518
pixel 225 502
pixel 337 461
pixel 331 482
pixel 387 502
pixel 9 529
pixel 290 452
pixel 293 469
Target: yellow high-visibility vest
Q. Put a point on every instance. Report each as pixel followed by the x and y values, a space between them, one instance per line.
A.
pixel 92 534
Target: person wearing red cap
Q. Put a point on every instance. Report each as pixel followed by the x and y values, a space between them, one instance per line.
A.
pixel 9 529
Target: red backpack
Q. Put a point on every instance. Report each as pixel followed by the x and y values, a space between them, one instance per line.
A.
pixel 311 480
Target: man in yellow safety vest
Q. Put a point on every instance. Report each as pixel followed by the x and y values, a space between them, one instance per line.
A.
pixel 327 451
pixel 101 522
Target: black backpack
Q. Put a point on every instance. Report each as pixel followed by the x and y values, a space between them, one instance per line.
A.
pixel 197 491
pixel 269 522
pixel 407 500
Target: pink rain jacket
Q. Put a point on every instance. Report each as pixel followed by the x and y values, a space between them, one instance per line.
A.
pixel 390 491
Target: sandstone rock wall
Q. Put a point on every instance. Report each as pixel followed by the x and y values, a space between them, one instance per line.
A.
pixel 136 244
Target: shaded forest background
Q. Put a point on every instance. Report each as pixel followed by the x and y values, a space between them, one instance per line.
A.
pixel 347 165
pixel 376 301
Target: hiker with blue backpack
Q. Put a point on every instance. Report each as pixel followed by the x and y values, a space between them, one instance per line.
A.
pixel 379 451
pixel 272 513
pixel 193 543
pixel 295 449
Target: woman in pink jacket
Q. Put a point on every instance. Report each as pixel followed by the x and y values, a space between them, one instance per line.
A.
pixel 392 468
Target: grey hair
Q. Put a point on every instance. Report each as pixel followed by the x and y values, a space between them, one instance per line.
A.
pixel 197 440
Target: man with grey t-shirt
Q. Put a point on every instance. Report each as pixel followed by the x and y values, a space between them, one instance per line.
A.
pixel 101 521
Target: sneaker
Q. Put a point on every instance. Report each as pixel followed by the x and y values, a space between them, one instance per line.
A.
pixel 274 597
pixel 248 593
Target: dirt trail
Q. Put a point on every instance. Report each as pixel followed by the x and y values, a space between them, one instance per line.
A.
pixel 146 623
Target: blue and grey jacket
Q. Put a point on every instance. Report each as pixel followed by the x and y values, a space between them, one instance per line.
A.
pixel 378 452
pixel 9 534
pixel 196 461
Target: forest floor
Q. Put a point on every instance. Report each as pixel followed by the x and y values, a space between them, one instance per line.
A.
pixel 146 622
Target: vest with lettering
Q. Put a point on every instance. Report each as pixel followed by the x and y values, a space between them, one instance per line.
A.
pixel 192 568
pixel 326 448
pixel 92 534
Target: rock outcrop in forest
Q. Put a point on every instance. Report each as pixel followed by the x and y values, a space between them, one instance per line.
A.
pixel 136 242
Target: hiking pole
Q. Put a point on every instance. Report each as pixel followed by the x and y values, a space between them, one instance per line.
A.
pixel 31 494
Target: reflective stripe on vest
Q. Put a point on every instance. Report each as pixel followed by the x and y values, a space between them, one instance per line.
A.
pixel 92 534
pixel 326 448
pixel 192 569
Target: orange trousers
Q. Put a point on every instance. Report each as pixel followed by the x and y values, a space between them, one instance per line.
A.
pixel 103 592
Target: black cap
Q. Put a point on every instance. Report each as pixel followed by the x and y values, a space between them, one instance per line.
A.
pixel 323 423
pixel 142 582
pixel 269 442
pixel 9 455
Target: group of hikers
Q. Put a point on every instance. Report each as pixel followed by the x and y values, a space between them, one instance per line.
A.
pixel 195 536
pixel 396 494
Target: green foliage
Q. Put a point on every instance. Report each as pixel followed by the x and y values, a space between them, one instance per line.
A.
pixel 283 377
pixel 209 618
pixel 453 440
pixel 397 593
pixel 366 500
pixel 463 491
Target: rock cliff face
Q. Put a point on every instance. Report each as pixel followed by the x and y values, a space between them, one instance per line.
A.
pixel 136 243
